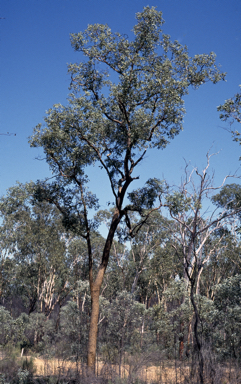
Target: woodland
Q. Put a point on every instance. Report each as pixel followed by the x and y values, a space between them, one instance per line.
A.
pixel 155 296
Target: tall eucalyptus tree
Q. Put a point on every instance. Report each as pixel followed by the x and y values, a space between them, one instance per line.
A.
pixel 113 121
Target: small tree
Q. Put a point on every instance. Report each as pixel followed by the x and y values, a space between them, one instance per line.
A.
pixel 124 319
pixel 74 324
pixel 7 325
pixel 33 235
pixel 113 123
pixel 198 233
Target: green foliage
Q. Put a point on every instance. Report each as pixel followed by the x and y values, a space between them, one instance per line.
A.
pixel 228 293
pixel 145 197
pixel 231 110
pixel 40 333
pixel 7 325
pixel 23 376
pixel 126 97
pixel 227 302
pixel 3 379
pixel 74 318
pixel 19 376
pixel 229 197
pixel 12 331
pixel 73 332
pixel 121 333
pixel 171 317
pixel 178 202
pixel 114 121
pixel 33 234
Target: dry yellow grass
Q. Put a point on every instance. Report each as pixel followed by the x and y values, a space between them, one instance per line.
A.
pixel 166 373
pixel 46 367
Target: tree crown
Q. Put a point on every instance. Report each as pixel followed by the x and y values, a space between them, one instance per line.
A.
pixel 126 96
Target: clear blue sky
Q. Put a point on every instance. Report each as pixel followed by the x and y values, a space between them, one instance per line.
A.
pixel 35 50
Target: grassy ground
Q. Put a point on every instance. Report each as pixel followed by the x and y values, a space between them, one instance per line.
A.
pixel 170 372
pixel 167 373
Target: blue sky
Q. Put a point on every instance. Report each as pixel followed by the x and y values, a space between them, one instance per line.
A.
pixel 34 52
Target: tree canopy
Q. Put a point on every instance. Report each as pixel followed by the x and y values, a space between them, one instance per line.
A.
pixel 126 97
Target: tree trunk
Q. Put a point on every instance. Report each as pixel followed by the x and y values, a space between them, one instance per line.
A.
pixel 95 291
pixel 198 281
pixel 181 341
pixel 95 308
pixel 197 339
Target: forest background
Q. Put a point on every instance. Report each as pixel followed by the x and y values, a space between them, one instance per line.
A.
pixel 145 292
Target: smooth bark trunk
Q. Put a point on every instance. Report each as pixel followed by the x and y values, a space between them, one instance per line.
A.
pixel 93 331
pixel 95 286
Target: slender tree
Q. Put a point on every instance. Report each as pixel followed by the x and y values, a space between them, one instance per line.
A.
pixel 113 123
pixel 199 234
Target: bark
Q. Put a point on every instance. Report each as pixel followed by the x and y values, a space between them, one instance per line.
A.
pixel 181 341
pixel 198 281
pixel 32 304
pixel 135 281
pixel 95 287
pixel 198 341
pixel 142 332
pixel 189 337
pixel 93 331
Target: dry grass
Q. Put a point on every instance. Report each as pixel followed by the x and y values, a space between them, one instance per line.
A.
pixel 168 373
pixel 46 367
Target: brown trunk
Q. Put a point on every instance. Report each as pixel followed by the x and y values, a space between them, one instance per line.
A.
pixel 93 329
pixel 181 341
pixel 189 337
pixel 95 292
